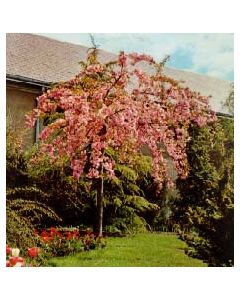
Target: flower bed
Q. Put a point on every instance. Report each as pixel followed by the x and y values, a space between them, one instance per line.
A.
pixel 54 242
pixel 14 260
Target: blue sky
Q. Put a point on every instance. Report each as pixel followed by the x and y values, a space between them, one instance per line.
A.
pixel 206 53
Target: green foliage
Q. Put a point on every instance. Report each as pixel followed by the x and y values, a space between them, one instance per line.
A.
pixel 19 230
pixel 31 192
pixel 126 206
pixel 66 196
pixel 204 212
pixel 15 162
pixel 229 103
pixel 91 242
pixel 24 209
pixel 32 211
pixel 47 190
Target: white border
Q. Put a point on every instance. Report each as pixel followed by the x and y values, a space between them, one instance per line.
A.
pixel 121 16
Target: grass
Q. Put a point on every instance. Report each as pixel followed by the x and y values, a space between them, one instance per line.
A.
pixel 142 250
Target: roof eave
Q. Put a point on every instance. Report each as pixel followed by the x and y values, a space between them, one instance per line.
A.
pixel 29 81
pixel 224 115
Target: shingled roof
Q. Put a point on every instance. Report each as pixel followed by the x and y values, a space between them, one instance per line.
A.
pixel 45 60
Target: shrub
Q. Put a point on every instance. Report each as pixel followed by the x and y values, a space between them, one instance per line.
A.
pixel 24 210
pixel 204 212
pixel 126 206
pixel 91 241
pixel 66 196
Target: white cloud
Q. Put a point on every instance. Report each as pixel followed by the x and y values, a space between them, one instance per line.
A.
pixel 156 45
pixel 211 54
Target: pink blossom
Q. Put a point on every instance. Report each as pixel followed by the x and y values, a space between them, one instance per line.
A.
pixel 92 69
pixel 135 57
pixel 101 110
pixel 122 59
pixel 30 119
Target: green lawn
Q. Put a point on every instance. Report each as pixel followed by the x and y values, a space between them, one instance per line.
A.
pixel 142 250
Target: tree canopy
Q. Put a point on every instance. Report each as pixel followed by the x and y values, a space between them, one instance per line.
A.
pixel 116 105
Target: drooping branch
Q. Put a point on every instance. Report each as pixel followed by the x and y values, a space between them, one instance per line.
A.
pixel 156 110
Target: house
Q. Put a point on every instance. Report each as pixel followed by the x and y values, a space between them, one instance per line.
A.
pixel 35 62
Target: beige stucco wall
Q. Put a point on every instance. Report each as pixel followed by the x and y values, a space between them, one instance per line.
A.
pixel 19 102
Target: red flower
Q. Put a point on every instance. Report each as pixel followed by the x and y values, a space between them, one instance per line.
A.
pixel 8 264
pixel 20 264
pixel 8 250
pixel 55 232
pixel 44 233
pixel 69 235
pixel 58 234
pixel 46 239
pixel 33 252
pixel 15 259
pixel 76 232
pixel 20 259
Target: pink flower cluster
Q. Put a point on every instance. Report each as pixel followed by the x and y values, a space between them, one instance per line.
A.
pixel 92 69
pixel 135 58
pixel 102 112
pixel 122 59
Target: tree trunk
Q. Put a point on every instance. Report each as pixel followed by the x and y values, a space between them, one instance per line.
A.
pixel 100 206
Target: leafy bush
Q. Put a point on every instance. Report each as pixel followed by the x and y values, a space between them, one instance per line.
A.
pixel 19 230
pixel 24 209
pixel 90 241
pixel 126 206
pixel 69 198
pixel 205 210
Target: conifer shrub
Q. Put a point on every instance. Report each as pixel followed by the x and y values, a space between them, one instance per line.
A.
pixel 204 212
